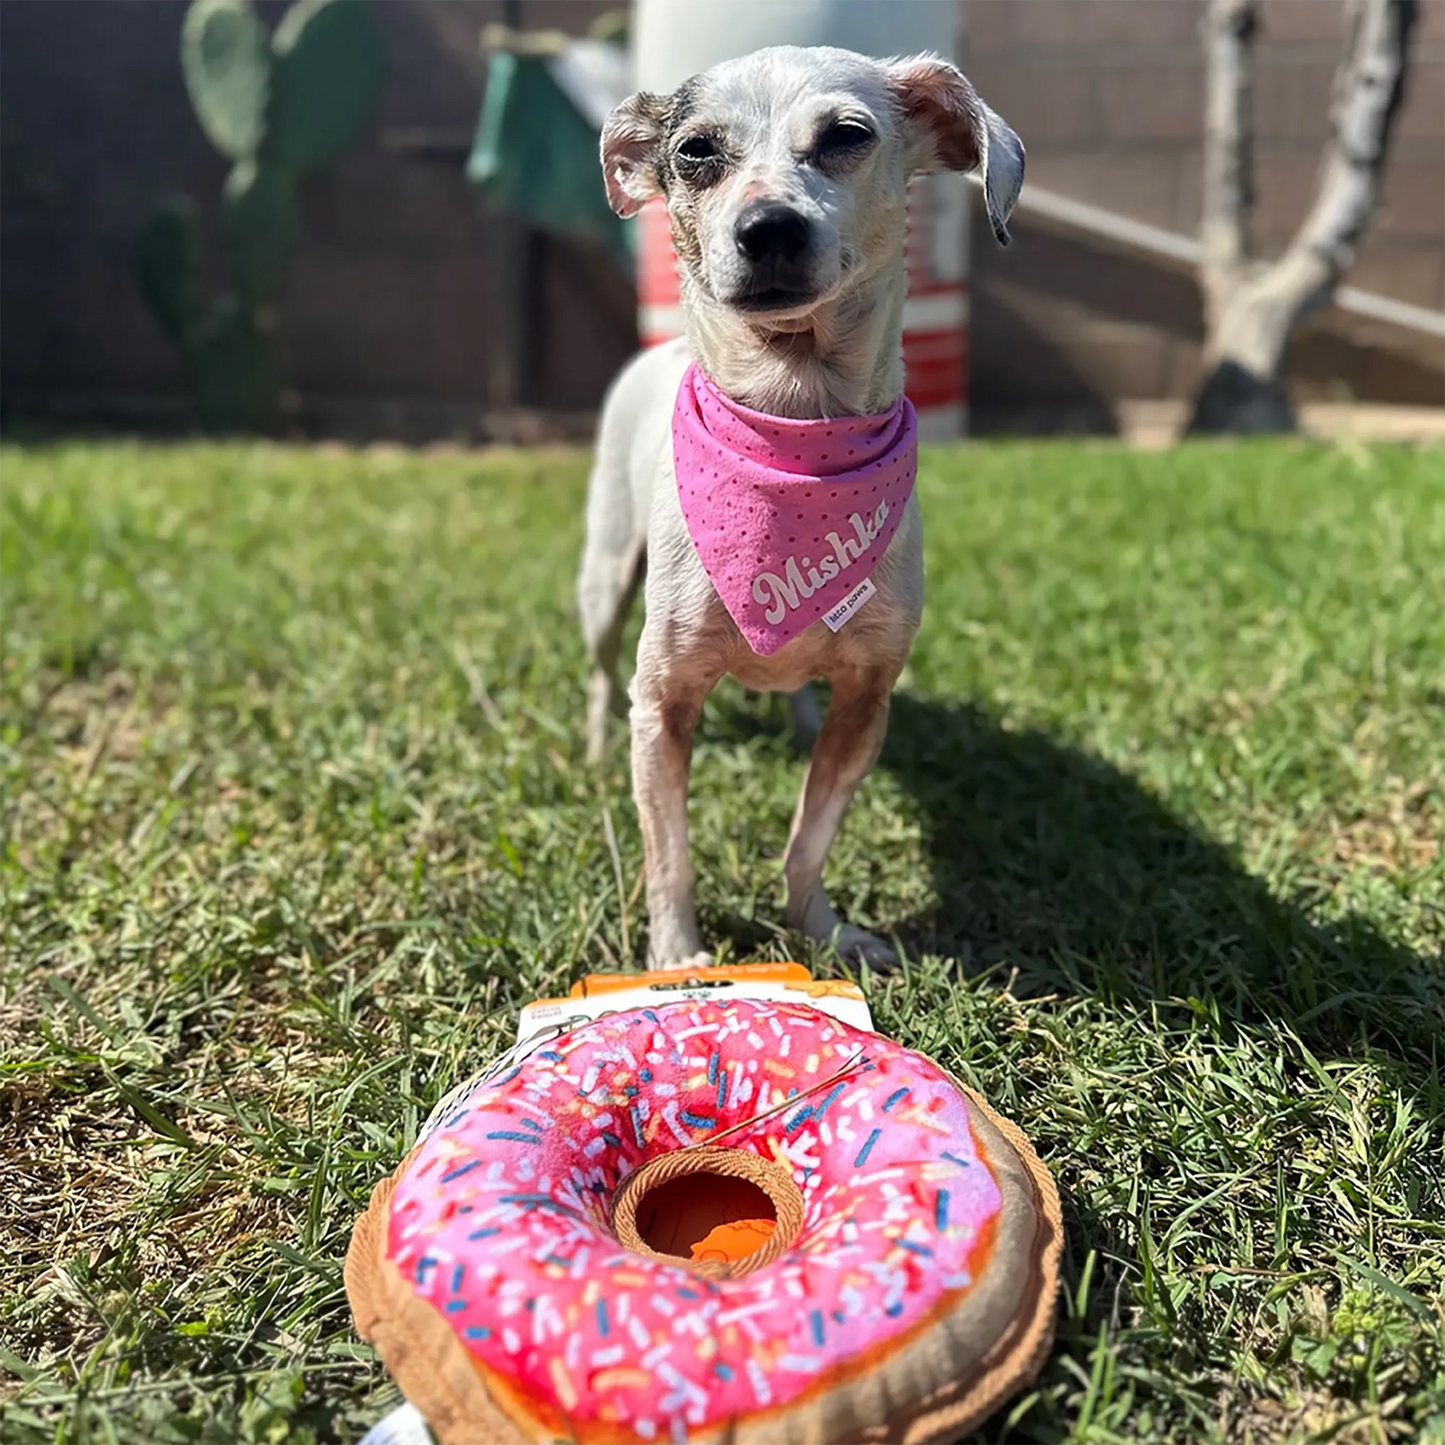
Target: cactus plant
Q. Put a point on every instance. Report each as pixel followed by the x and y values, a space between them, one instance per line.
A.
pixel 278 107
pixel 258 214
pixel 324 73
pixel 235 371
pixel 225 58
pixel 168 264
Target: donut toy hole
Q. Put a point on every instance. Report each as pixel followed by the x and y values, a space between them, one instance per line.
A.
pixel 716 1218
pixel 720 1211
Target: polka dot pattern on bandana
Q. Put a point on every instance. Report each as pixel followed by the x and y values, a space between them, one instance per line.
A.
pixel 750 484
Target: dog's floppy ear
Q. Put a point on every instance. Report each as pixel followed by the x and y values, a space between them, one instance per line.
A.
pixel 631 139
pixel 953 130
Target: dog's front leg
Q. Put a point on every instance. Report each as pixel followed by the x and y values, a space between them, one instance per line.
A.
pixel 666 702
pixel 847 747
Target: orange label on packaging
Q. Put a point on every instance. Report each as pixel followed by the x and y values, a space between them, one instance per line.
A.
pixel 666 980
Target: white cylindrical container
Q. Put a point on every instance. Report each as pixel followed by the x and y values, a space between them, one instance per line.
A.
pixel 675 39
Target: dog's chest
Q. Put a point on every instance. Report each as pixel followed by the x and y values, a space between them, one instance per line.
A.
pixel 878 635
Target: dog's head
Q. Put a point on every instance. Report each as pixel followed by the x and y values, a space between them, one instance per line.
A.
pixel 786 172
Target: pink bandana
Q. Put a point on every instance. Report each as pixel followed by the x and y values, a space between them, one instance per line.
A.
pixel 789 517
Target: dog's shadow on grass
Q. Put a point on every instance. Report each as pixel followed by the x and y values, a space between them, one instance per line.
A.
pixel 1053 863
pixel 1056 863
pixel 1061 873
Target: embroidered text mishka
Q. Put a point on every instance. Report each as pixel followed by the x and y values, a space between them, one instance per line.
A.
pixel 788 517
pixel 784 594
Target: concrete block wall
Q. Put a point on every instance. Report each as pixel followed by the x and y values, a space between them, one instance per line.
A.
pixel 1108 95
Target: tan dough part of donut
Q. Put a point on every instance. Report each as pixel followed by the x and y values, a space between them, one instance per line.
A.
pixel 891 1400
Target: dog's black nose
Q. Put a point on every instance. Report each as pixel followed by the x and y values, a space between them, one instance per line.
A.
pixel 769 231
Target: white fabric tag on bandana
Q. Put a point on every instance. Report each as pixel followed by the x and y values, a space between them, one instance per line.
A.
pixel 404 1426
pixel 850 604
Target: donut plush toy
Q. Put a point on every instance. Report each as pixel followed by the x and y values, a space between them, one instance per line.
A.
pixel 716 1220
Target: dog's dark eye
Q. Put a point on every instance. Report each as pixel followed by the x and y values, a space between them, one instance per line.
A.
pixel 699 149
pixel 843 140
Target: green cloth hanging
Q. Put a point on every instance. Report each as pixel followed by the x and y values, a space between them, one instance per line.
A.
pixel 535 155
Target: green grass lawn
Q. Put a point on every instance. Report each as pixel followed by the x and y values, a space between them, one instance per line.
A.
pixel 295 817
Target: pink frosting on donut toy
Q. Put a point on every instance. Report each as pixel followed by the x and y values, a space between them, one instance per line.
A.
pixel 501 1223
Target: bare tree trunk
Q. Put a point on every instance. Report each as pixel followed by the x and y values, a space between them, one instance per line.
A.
pixel 1230 27
pixel 1251 309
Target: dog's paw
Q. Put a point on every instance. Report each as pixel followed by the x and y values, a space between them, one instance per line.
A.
pixel 862 947
pixel 684 960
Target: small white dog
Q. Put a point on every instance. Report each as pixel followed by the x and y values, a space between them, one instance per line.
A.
pixel 785 175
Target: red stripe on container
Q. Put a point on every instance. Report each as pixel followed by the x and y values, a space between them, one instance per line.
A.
pixel 934 367
pixel 656 263
pixel 939 288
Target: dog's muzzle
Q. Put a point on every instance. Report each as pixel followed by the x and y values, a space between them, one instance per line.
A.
pixel 775 241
